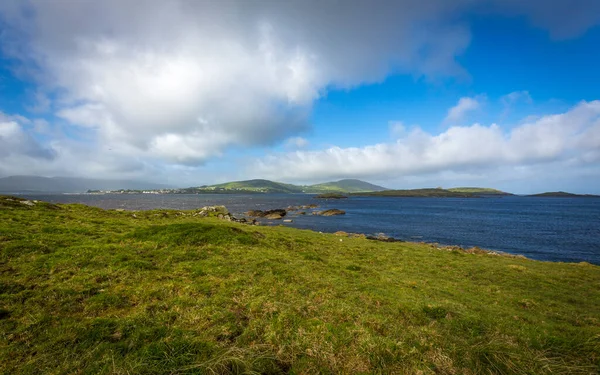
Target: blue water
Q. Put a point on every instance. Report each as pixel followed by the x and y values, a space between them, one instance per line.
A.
pixel 554 229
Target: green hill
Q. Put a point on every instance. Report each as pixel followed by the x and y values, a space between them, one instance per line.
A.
pixel 266 186
pixel 89 291
pixel 258 186
pixel 478 190
pixel 343 186
pixel 419 193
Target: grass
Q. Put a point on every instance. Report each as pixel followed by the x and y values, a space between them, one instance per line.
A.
pixel 89 291
pixel 478 190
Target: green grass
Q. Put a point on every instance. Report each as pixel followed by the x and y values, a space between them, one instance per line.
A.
pixel 88 291
pixel 478 190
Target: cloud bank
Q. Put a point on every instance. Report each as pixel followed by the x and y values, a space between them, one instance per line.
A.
pixel 571 138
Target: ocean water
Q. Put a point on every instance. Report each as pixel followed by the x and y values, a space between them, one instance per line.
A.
pixel 551 229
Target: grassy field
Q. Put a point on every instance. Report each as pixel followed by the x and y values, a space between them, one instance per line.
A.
pixel 88 291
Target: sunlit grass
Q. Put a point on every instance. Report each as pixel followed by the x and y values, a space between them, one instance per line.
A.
pixel 83 290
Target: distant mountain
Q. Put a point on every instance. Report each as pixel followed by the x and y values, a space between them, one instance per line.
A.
pixel 562 194
pixel 16 184
pixel 266 186
pixel 478 190
pixel 343 186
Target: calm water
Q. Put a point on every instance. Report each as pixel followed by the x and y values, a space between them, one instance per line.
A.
pixel 555 229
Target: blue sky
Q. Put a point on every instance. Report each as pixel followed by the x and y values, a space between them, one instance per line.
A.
pixel 402 93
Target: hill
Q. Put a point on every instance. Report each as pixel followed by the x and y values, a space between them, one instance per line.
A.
pixel 419 193
pixel 479 191
pixel 562 194
pixel 257 186
pixel 266 186
pixel 15 184
pixel 88 291
pixel 343 186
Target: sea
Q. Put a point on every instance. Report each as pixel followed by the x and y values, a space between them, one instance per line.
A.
pixel 542 228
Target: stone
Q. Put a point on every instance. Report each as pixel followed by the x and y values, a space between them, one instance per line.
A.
pixel 332 212
pixel 288 221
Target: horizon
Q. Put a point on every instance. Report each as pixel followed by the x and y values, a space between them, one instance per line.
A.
pixel 174 187
pixel 401 94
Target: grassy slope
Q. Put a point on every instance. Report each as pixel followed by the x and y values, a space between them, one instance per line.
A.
pixel 343 186
pixel 260 185
pixel 477 190
pixel 419 193
pixel 88 291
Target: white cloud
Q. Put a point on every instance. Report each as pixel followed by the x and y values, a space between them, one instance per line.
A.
pixel 572 137
pixel 16 142
pixel 397 129
pixel 516 96
pixel 296 143
pixel 459 111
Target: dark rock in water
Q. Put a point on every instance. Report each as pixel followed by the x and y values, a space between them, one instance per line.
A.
pixel 258 213
pixel 292 208
pixel 331 212
pixel 302 213
pixel 255 213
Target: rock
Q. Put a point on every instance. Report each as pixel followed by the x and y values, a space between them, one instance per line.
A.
pixel 211 211
pixel 302 213
pixel 28 203
pixel 134 216
pixel 331 212
pixel 288 221
pixel 273 216
pixel 120 209
pixel 383 238
pixel 220 216
pixel 341 233
pixel 258 213
pixel 292 208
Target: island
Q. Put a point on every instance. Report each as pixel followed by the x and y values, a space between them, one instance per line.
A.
pixel 418 193
pixel 331 196
pixel 563 194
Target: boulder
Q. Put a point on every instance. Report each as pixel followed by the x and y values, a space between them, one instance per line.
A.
pixel 288 221
pixel 273 216
pixel 255 213
pixel 332 212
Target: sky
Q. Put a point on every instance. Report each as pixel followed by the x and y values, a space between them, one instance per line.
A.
pixel 405 94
